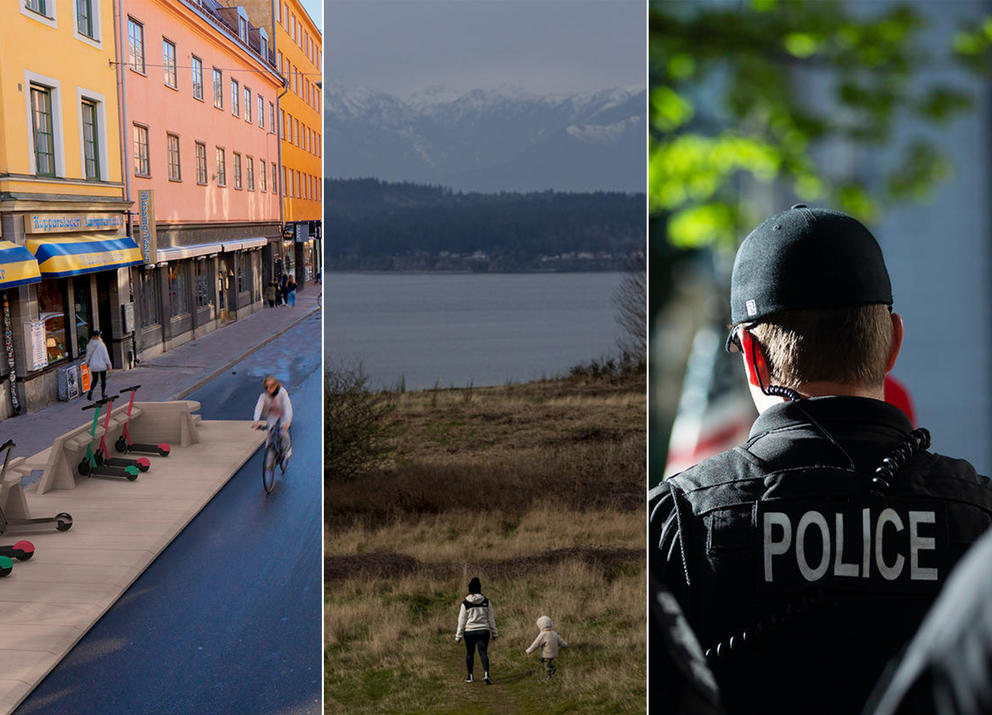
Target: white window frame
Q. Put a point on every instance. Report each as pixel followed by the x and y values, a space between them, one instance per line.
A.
pixel 261 111
pixel 101 116
pixel 58 136
pixel 50 18
pixel 192 84
pixel 96 41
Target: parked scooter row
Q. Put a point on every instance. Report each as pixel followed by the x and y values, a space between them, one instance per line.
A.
pixel 99 463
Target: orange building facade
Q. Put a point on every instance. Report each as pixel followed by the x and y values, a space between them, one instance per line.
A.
pixel 201 163
pixel 298 55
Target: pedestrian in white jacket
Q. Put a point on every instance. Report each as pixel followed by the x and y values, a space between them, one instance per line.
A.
pixel 98 362
pixel 476 624
pixel 548 641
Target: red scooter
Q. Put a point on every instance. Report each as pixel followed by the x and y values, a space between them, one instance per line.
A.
pixel 124 443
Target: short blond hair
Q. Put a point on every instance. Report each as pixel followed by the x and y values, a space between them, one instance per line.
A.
pixel 845 345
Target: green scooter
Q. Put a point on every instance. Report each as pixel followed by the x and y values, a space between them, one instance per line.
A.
pixel 91 464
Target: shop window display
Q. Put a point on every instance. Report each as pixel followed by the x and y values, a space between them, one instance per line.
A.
pixel 51 309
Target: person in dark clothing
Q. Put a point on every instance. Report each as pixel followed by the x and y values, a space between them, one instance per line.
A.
pixel 947 669
pixel 476 624
pixel 805 558
pixel 283 290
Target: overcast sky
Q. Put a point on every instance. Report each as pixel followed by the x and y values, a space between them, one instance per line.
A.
pixel 400 46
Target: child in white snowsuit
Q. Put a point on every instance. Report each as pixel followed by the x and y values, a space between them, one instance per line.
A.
pixel 549 641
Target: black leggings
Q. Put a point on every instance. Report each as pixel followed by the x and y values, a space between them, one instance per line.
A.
pixel 473 640
pixel 100 377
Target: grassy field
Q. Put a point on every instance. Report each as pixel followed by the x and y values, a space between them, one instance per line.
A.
pixel 538 489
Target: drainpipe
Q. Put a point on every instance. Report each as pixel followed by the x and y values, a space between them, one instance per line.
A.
pixel 285 89
pixel 119 35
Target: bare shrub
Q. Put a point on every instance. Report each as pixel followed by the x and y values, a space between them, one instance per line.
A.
pixel 355 424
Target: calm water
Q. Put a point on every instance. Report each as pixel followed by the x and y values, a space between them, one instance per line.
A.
pixel 486 329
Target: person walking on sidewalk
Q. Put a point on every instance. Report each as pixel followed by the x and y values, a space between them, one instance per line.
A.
pixel 291 292
pixel 270 293
pixel 476 624
pixel 98 361
pixel 282 288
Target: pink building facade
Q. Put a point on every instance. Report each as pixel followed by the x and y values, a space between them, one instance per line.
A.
pixel 199 93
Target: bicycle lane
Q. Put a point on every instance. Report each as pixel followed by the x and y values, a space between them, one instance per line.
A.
pixel 228 617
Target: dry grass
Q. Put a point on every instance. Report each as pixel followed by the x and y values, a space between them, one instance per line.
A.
pixel 537 489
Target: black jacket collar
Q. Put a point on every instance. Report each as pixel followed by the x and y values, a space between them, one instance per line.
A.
pixel 838 412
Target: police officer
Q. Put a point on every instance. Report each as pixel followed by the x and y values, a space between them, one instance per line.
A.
pixel 806 558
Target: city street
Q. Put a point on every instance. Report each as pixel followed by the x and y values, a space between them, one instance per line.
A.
pixel 228 618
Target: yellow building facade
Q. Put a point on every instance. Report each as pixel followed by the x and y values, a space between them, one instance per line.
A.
pixel 61 194
pixel 299 45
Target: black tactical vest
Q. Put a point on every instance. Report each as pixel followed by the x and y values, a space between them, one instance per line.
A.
pixel 800 573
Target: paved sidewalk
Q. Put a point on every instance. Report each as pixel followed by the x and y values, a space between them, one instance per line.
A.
pixel 170 376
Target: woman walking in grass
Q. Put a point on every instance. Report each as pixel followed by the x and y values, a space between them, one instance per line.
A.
pixel 476 624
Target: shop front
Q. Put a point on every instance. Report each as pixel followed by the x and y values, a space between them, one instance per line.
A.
pixel 65 282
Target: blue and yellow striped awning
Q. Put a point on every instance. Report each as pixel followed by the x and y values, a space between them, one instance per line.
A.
pixel 73 256
pixel 17 266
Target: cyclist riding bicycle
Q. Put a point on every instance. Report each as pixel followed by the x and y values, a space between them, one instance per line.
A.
pixel 274 405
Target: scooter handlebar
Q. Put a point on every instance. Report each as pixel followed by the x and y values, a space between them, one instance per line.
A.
pixel 8 443
pixel 130 389
pixel 99 403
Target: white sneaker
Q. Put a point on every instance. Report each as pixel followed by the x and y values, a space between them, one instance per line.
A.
pixel 469 678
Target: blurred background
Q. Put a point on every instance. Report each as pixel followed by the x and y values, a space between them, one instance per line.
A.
pixel 880 109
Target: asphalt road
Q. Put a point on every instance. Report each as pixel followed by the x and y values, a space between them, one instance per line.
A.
pixel 228 618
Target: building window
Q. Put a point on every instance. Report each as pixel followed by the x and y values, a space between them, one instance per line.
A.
pixel 235 106
pixel 221 168
pixel 136 45
pixel 247 104
pixel 275 178
pixel 261 112
pixel 82 312
pixel 42 7
pixel 261 174
pixel 84 18
pixel 203 286
pixel 169 63
pixel 237 170
pixel 243 29
pixel 197 64
pixel 150 300
pixel 218 88
pixel 51 308
pixel 284 181
pixel 178 300
pixel 175 167
pixel 41 126
pixel 142 166
pixel 264 46
pixel 251 174
pixel 91 142
pixel 272 117
pixel 201 163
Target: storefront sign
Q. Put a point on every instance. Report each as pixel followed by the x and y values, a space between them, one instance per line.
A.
pixel 302 230
pixel 146 225
pixel 128 317
pixel 84 376
pixel 37 352
pixel 72 223
pixel 287 233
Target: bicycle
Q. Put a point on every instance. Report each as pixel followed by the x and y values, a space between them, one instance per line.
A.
pixel 274 456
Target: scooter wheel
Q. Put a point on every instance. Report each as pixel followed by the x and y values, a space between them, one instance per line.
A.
pixel 131 477
pixel 63 521
pixel 84 468
pixel 6 566
pixel 98 457
pixel 143 464
pixel 23 550
pixel 121 444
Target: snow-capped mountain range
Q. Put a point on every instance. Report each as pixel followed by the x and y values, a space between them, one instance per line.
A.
pixel 502 139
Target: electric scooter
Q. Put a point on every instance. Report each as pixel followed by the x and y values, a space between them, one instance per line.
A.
pixel 63 521
pixel 124 443
pixel 90 466
pixel 103 453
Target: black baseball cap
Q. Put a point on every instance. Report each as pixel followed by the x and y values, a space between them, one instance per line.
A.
pixel 806 258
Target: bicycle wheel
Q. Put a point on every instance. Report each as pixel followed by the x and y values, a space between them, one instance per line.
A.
pixel 269 463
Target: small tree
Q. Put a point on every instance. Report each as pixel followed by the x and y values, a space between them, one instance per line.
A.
pixel 355 424
pixel 630 298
